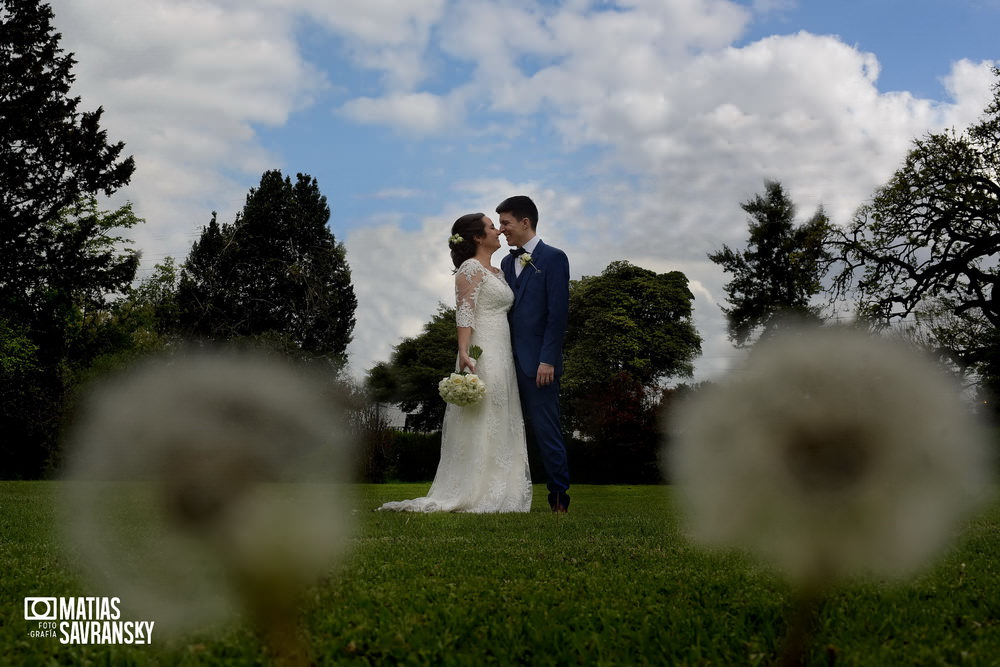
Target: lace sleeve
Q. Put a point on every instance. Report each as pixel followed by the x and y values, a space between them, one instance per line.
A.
pixel 468 279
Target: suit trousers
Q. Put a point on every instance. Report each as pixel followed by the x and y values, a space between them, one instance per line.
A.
pixel 540 406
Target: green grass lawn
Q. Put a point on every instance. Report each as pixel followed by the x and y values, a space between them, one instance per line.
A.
pixel 610 583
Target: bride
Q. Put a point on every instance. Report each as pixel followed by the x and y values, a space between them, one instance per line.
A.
pixel 484 456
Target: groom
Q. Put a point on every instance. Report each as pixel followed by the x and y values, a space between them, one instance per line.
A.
pixel 539 276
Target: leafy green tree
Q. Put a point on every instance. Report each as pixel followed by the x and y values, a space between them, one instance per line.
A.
pixel 276 274
pixel 143 322
pixel 411 376
pixel 87 269
pixel 780 270
pixel 629 320
pixel 936 327
pixel 630 329
pixel 152 306
pixel 927 244
pixel 60 323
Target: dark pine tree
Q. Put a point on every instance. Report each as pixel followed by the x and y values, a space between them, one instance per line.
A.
pixel 276 274
pixel 780 270
pixel 51 154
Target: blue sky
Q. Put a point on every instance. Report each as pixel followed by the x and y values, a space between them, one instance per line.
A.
pixel 638 127
pixel 915 40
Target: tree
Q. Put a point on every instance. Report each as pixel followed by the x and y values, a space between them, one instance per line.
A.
pixel 629 320
pixel 59 322
pixel 779 272
pixel 51 156
pixel 928 241
pixel 144 321
pixel 275 274
pixel 411 376
pixel 629 330
pixel 936 328
pixel 152 306
pixel 86 267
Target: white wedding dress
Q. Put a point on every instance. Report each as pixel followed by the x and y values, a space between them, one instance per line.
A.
pixel 484 456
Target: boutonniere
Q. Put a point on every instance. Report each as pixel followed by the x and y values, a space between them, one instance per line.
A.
pixel 526 260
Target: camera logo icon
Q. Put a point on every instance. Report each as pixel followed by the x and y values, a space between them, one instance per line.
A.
pixel 41 609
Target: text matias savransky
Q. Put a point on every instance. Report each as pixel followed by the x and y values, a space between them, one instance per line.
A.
pixel 85 620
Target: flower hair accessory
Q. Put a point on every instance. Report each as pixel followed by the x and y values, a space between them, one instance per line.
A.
pixel 455 239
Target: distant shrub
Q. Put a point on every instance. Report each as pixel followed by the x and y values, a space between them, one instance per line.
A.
pixel 403 456
pixel 413 457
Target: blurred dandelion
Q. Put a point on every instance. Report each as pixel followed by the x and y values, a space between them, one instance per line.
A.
pixel 210 485
pixel 830 454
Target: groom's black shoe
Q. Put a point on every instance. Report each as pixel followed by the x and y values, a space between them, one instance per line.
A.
pixel 559 502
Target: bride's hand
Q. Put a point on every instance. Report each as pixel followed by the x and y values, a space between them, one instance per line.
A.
pixel 465 361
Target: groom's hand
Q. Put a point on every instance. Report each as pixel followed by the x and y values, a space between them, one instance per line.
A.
pixel 545 376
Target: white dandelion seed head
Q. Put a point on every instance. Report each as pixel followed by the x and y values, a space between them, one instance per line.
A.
pixel 832 453
pixel 196 482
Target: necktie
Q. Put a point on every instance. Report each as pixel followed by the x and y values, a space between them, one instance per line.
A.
pixel 517 252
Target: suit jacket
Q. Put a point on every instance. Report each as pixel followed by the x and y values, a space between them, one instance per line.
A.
pixel 541 308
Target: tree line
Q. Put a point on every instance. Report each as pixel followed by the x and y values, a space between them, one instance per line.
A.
pixel 921 253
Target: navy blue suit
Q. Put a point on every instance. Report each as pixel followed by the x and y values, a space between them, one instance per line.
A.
pixel 537 328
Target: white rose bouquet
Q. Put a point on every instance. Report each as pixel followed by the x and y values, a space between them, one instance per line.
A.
pixel 463 389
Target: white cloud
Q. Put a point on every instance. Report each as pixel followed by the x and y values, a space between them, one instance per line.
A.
pixel 376 22
pixel 184 83
pixel 385 35
pixel 969 84
pixel 399 278
pixel 686 125
pixel 701 132
pixel 411 112
pixel 397 193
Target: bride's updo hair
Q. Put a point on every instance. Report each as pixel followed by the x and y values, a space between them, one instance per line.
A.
pixel 464 233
